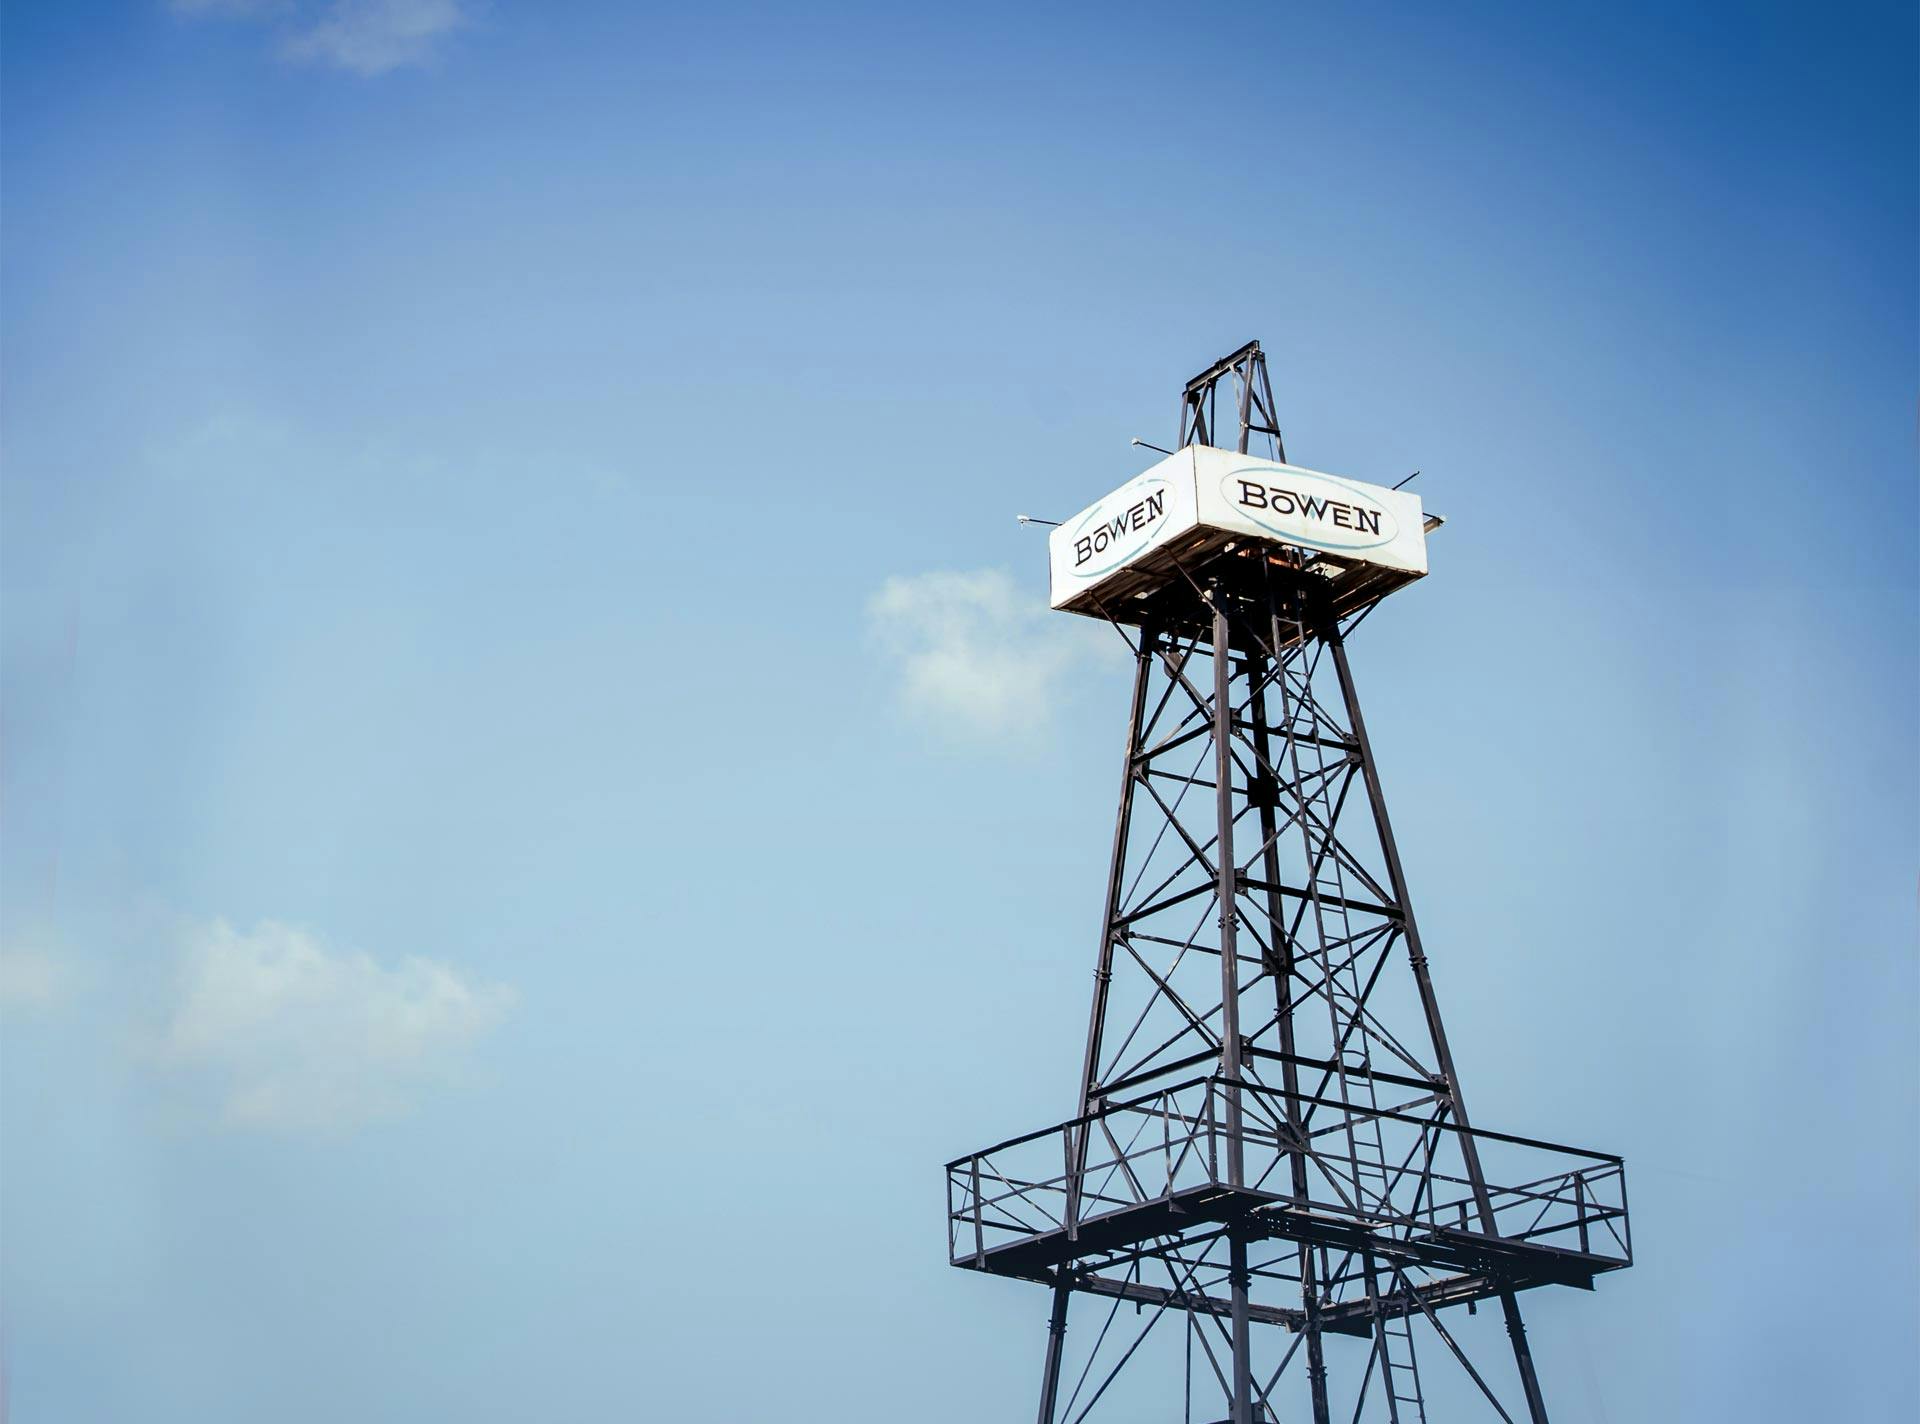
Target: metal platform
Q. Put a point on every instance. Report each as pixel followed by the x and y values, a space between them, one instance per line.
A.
pixel 1157 1170
pixel 1136 594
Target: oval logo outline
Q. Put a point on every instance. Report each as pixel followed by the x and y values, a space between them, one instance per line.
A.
pixel 1359 499
pixel 1120 547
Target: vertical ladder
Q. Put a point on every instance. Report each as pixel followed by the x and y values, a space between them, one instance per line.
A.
pixel 1369 1175
pixel 1399 1366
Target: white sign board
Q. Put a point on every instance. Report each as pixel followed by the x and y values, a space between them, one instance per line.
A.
pixel 1201 488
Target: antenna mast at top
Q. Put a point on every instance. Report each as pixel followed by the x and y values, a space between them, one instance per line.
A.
pixel 1253 402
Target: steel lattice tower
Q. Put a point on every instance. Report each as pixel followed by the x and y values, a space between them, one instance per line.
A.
pixel 1271 1192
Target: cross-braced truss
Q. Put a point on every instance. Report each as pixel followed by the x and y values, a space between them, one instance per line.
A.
pixel 1272 1188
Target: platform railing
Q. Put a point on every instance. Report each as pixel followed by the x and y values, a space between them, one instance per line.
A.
pixel 1132 1153
pixel 1171 1145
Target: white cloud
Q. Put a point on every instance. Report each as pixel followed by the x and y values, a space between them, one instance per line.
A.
pixel 230 9
pixel 293 1034
pixel 30 978
pixel 977 656
pixel 367 37
pixel 373 36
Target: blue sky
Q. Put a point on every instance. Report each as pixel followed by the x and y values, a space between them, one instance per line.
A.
pixel 542 802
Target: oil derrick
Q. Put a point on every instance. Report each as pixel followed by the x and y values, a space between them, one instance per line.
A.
pixel 1270 1203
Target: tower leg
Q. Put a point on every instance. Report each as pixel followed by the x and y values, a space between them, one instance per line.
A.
pixel 1469 1150
pixel 1283 973
pixel 1242 1334
pixel 1229 996
pixel 1316 1349
pixel 1227 888
pixel 1103 974
pixel 1056 1343
pixel 1116 876
pixel 1523 1357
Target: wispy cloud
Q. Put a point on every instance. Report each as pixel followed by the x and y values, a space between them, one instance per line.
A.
pixel 290 1033
pixel 31 977
pixel 976 656
pixel 373 36
pixel 366 37
pixel 230 9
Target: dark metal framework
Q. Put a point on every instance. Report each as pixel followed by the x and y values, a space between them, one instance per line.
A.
pixel 1252 401
pixel 1272 1162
